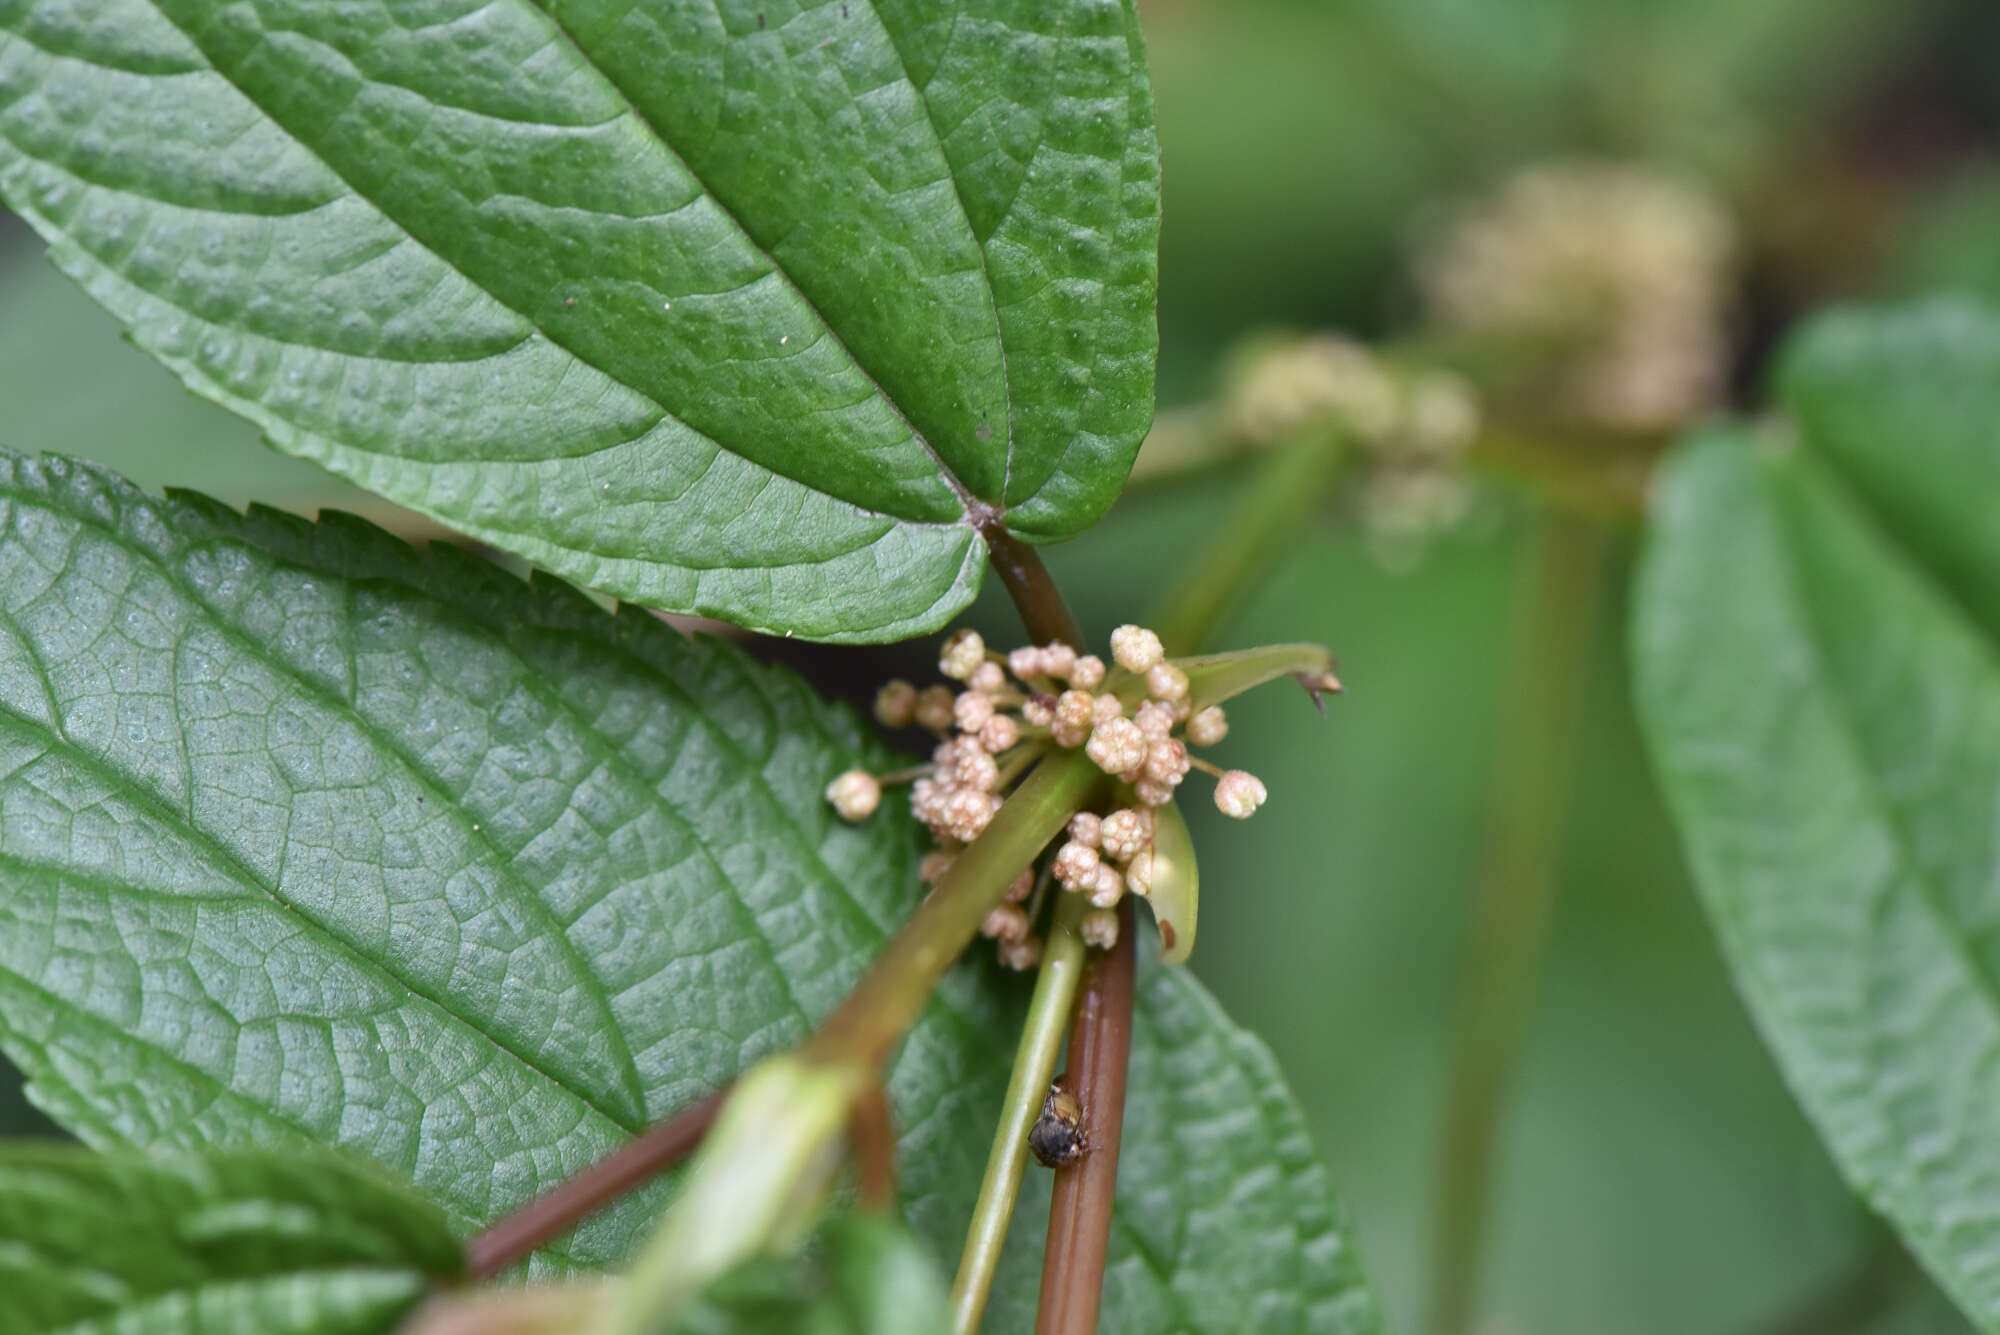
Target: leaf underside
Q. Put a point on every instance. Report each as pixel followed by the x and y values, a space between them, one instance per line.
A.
pixel 751 308
pixel 250 1243
pixel 1826 722
pixel 308 839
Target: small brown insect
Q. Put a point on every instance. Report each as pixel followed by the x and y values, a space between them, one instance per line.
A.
pixel 1057 1135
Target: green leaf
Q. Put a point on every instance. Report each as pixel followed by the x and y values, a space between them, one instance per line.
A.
pixel 1826 723
pixel 864 1276
pixel 305 839
pixel 1907 405
pixel 251 1242
pixel 752 308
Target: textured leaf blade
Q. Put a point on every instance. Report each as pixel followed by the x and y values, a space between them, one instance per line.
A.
pixel 1827 728
pixel 309 839
pixel 1907 405
pixel 714 308
pixel 243 1242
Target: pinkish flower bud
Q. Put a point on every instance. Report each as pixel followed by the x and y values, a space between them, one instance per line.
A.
pixel 855 795
pixel 1164 681
pixel 934 708
pixel 1084 827
pixel 1005 923
pixel 1088 674
pixel 1155 720
pixel 1020 956
pixel 1075 865
pixel 963 652
pixel 1136 648
pixel 1123 833
pixel 989 677
pixel 1099 928
pixel 1023 886
pixel 1239 794
pixel 1058 659
pixel 1116 747
pixel 971 710
pixel 1208 726
pixel 1107 888
pixel 896 704
pixel 1026 662
pixel 1000 732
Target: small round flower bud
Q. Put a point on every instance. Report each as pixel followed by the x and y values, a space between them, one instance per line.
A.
pixel 927 801
pixel 934 707
pixel 896 704
pixel 974 767
pixel 1116 747
pixel 1164 681
pixel 1239 794
pixel 1000 732
pixel 1023 955
pixel 1005 923
pixel 971 710
pixel 1155 720
pixel 1166 762
pixel 1023 886
pixel 1088 674
pixel 989 677
pixel 1139 872
pixel 1026 662
pixel 1075 712
pixel 1123 833
pixel 1107 887
pixel 1208 726
pixel 968 812
pixel 1075 865
pixel 1085 828
pixel 1153 793
pixel 1136 648
pixel 934 865
pixel 1058 660
pixel 1039 710
pixel 1105 708
pixel 962 654
pixel 855 795
pixel 1099 928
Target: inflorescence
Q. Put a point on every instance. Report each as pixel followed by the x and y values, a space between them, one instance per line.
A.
pixel 1013 709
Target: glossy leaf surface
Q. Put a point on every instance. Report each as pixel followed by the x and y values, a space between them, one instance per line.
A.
pixel 753 309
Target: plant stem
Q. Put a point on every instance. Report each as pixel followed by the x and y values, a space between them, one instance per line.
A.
pixel 875 1148
pixel 1034 1065
pixel 554 1212
pixel 1100 1043
pixel 1554 618
pixel 889 996
pixel 1291 479
pixel 1036 598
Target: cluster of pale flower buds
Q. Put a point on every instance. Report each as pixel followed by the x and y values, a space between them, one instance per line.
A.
pixel 1015 708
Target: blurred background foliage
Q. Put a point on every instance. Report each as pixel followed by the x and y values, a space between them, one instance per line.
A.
pixel 1651 1174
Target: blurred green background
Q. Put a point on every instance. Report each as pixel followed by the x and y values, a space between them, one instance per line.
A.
pixel 1652 1174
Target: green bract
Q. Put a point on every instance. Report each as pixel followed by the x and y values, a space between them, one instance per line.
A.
pixel 1820 679
pixel 750 309
pixel 310 839
pixel 247 1243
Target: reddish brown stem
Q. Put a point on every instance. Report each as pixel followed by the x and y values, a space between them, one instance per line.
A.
pixel 1029 584
pixel 559 1209
pixel 1100 1042
pixel 875 1148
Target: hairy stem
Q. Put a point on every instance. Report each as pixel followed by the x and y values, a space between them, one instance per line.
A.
pixel 889 996
pixel 1043 612
pixel 1290 481
pixel 556 1211
pixel 1514 901
pixel 1034 1065
pixel 1100 1043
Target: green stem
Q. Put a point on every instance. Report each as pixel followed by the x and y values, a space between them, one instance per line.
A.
pixel 1034 1067
pixel 1290 481
pixel 1028 582
pixel 1554 620
pixel 889 996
